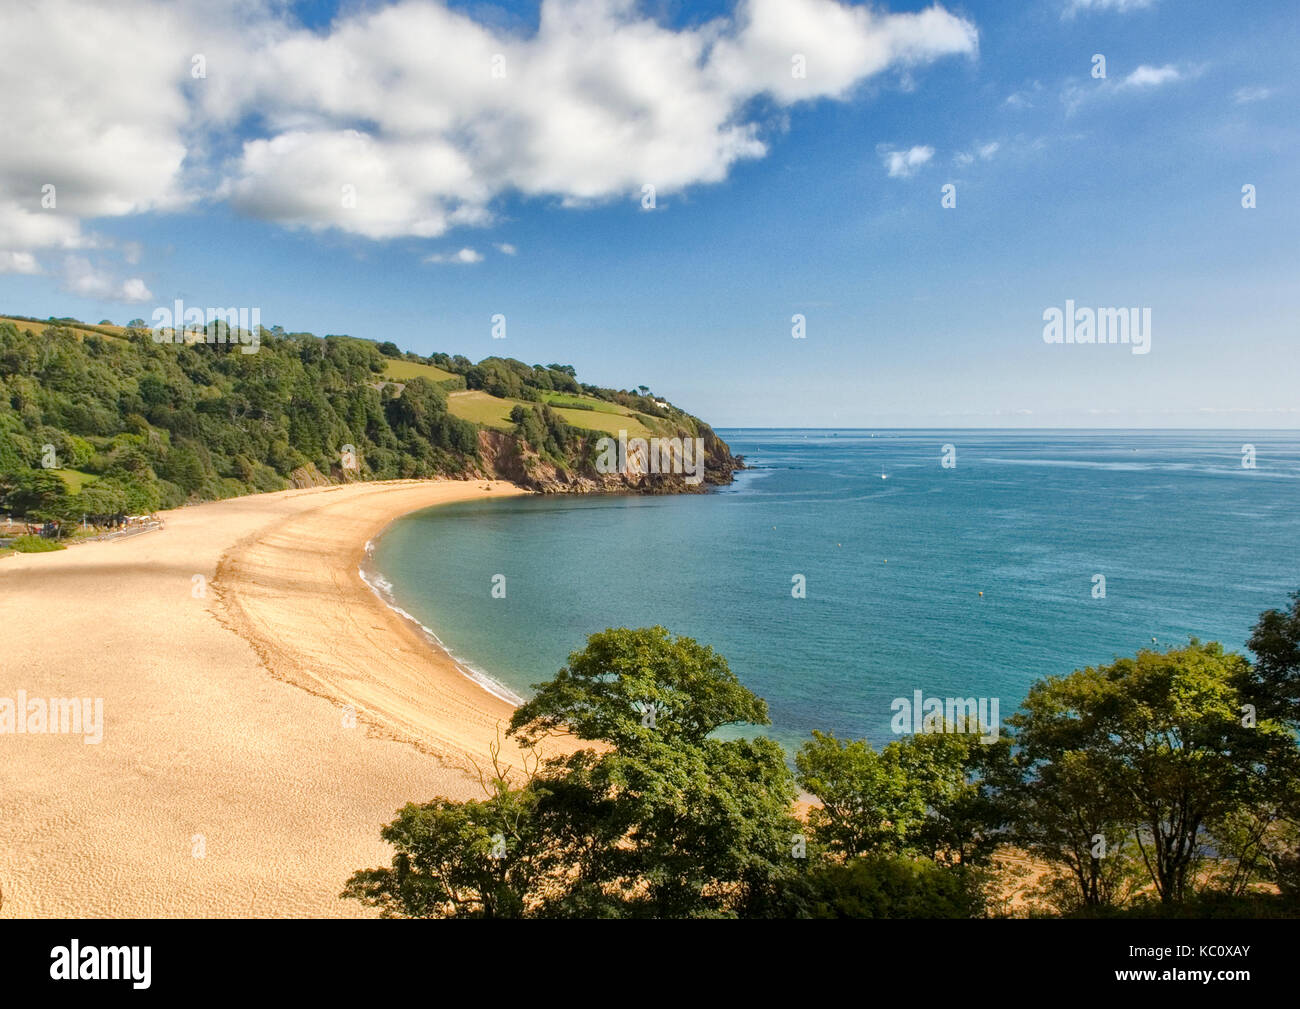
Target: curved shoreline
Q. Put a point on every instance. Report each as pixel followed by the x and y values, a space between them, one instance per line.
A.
pixel 381 587
pixel 298 595
pixel 217 790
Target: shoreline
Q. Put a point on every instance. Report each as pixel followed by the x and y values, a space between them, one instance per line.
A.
pixel 424 697
pixel 218 790
pixel 314 624
pixel 381 588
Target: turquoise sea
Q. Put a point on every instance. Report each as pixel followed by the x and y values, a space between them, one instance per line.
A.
pixel 1190 543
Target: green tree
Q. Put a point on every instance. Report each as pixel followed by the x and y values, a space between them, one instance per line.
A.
pixel 1163 735
pixel 603 692
pixel 1070 811
pixel 934 794
pixel 38 494
pixel 658 819
pixel 183 466
pixel 884 887
pixel 1273 682
pixel 105 497
pixel 867 800
pixel 476 859
pixel 700 826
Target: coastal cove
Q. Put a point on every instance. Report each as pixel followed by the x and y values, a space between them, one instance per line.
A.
pixel 1188 543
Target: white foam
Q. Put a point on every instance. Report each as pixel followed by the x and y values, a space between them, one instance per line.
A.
pixel 383 589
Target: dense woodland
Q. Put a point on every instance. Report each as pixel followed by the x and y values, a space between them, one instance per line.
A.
pixel 1163 785
pixel 97 422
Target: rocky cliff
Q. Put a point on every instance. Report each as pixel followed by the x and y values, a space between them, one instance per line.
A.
pixel 507 457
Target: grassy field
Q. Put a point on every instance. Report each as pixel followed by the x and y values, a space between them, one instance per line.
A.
pixel 404 371
pixel 481 408
pixel 610 423
pixel 561 399
pixel 75 479
pixel 81 330
pixel 616 417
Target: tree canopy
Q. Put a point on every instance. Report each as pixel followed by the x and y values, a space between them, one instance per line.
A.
pixel 1142 786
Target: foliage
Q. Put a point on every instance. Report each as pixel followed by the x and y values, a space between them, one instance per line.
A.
pixel 1273 682
pixel 168 422
pixel 1147 754
pixel 476 859
pixel 930 794
pixel 659 820
pixel 35 545
pixel 885 886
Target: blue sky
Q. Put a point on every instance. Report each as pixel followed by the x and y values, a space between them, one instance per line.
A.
pixel 1123 191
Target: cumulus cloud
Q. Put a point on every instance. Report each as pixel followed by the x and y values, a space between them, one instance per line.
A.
pixel 464 256
pixel 506 249
pixel 1150 77
pixel 18 262
pixel 409 119
pixel 599 102
pixel 82 278
pixel 903 164
pixel 982 152
pixel 24 226
pixel 97 116
pixel 134 290
pixel 1144 78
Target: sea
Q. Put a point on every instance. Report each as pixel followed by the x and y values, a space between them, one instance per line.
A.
pixel 847 569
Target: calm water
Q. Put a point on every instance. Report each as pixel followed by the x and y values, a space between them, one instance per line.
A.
pixel 1189 542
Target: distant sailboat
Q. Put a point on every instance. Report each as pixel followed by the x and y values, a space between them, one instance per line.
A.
pixel 882 473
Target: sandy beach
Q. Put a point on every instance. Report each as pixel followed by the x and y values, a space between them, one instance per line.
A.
pixel 225 711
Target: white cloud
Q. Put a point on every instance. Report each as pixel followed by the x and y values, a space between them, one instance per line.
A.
pixel 506 249
pixel 1243 96
pixel 601 101
pixel 982 152
pixel 18 262
pixel 464 256
pixel 1073 7
pixel 95 100
pixel 1149 77
pixel 349 180
pixel 1024 98
pixel 400 103
pixel 903 164
pixel 24 225
pixel 841 46
pixel 1144 78
pixel 82 278
pixel 135 290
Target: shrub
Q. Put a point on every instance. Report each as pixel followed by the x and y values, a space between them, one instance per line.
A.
pixel 35 545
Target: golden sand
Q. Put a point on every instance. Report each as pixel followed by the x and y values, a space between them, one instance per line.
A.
pixel 226 704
